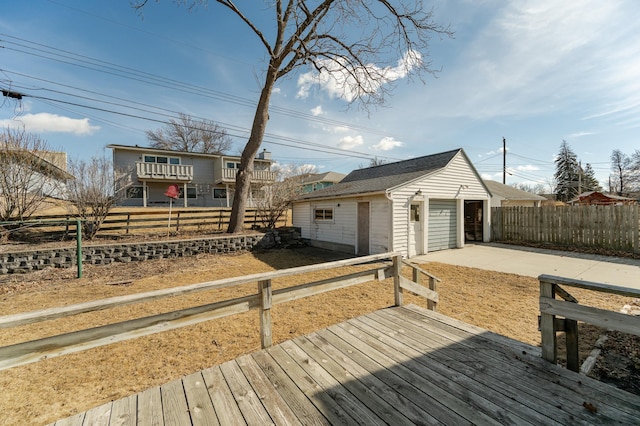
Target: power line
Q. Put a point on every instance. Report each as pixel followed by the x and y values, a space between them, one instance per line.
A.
pixel 325 149
pixel 149 78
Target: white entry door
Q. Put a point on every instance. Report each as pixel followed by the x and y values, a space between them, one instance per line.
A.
pixel 416 236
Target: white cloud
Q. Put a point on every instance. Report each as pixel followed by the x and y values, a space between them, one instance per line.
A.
pixel 276 90
pixel 341 84
pixel 492 176
pixel 387 144
pixel 579 135
pixel 340 129
pixel 317 111
pixel 45 122
pixel 527 168
pixel 349 142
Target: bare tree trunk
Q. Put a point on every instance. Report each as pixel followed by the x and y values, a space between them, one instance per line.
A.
pixel 243 178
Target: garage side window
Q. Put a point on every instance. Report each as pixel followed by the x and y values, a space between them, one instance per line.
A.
pixel 323 214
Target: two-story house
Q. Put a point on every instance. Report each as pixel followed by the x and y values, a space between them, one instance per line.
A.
pixel 315 181
pixel 207 180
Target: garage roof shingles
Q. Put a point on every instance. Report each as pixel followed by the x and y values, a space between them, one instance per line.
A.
pixel 380 178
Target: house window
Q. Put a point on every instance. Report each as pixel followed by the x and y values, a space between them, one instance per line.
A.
pixel 135 192
pixel 161 160
pixel 191 192
pixel 219 193
pixel 323 214
pixel 415 213
pixel 232 165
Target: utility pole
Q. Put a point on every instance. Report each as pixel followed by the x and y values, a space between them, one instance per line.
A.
pixel 579 178
pixel 504 161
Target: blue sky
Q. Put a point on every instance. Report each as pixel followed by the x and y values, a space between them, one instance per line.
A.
pixel 534 72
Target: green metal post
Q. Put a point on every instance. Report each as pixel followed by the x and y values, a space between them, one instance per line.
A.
pixel 79 247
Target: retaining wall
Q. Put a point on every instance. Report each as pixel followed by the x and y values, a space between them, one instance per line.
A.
pixel 26 261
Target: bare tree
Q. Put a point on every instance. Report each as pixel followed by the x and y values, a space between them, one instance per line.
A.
pixel 189 135
pixel 279 195
pixel 534 188
pixel 391 35
pixel 95 191
pixel 27 179
pixel 622 167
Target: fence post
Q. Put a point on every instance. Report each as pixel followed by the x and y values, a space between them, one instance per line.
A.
pixel 178 223
pixel 128 221
pixel 547 325
pixel 264 288
pixel 397 290
pixel 79 247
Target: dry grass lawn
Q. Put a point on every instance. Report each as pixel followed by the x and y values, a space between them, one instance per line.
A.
pixel 45 391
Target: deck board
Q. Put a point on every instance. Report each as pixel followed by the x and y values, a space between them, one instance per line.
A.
pixel 394 366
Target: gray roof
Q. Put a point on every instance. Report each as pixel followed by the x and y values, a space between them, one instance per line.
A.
pixel 386 176
pixel 324 177
pixel 509 192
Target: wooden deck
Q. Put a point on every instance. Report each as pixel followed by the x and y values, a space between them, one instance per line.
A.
pixel 402 365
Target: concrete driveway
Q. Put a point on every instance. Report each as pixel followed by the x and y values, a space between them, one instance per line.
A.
pixel 533 262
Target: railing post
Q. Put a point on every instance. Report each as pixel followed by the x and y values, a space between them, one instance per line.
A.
pixel 571 336
pixel 264 288
pixel 432 286
pixel 397 290
pixel 547 325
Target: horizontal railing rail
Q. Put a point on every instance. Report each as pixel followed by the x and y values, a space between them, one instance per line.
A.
pixel 572 312
pixel 181 172
pixel 229 174
pixel 57 345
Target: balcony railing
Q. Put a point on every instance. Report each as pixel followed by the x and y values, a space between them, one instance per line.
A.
pixel 174 172
pixel 229 175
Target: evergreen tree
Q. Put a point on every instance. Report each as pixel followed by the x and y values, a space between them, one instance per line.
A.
pixel 567 173
pixel 589 181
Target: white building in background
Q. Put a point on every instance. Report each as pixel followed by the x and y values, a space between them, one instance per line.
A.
pixel 411 207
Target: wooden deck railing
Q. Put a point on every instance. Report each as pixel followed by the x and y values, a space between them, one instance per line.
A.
pixel 49 347
pixel 572 312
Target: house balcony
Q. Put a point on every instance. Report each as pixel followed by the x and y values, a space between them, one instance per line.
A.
pixel 226 175
pixel 164 172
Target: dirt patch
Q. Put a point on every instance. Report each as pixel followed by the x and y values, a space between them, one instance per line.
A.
pixel 45 391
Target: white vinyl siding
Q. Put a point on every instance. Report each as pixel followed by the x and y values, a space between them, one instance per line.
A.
pixel 456 181
pixel 301 218
pixel 343 228
pixel 379 222
pixel 340 230
pixel 442 225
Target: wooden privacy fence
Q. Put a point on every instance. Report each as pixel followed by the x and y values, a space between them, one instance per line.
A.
pixel 32 351
pixel 572 312
pixel 153 221
pixel 609 227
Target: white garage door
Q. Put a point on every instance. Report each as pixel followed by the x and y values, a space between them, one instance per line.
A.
pixel 442 225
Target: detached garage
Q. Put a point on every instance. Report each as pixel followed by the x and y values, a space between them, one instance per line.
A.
pixel 413 207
